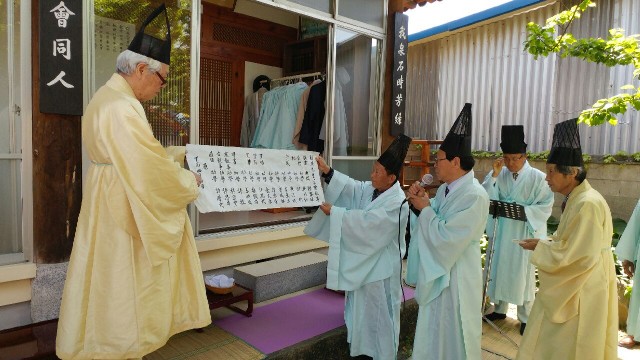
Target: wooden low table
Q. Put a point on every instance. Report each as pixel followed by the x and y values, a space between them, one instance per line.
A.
pixel 238 294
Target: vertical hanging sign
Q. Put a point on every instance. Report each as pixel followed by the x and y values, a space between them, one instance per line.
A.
pixel 61 57
pixel 398 83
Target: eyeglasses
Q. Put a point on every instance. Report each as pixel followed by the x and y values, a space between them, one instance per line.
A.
pixel 512 159
pixel 162 80
pixel 437 160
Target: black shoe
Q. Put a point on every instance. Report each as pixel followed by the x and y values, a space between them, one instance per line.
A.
pixel 522 327
pixel 495 316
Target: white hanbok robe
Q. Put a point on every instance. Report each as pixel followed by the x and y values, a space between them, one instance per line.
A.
pixel 512 274
pixel 134 277
pixel 366 246
pixel 444 263
pixel 629 249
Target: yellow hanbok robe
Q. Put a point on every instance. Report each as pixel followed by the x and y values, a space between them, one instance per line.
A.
pixel 134 278
pixel 575 313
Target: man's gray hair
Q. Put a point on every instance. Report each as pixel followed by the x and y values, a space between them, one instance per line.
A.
pixel 128 60
pixel 568 170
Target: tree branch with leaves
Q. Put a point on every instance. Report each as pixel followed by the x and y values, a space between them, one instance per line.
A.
pixel 617 49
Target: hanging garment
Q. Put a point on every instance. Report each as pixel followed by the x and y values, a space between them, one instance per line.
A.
pixel 300 116
pixel 314 117
pixel 278 117
pixel 340 128
pixel 251 116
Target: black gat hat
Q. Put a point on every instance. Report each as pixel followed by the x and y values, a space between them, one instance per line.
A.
pixel 565 149
pixel 512 137
pixel 393 158
pixel 151 46
pixel 458 140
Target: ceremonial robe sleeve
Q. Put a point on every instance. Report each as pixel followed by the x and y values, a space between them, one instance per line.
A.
pixel 359 251
pixel 441 241
pixel 566 264
pixel 627 248
pixel 177 153
pixel 343 192
pixel 489 184
pixel 152 191
pixel 539 210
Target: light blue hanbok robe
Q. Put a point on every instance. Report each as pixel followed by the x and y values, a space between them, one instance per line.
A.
pixel 629 249
pixel 444 263
pixel 512 274
pixel 278 116
pixel 366 246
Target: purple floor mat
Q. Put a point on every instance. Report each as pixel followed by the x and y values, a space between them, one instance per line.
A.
pixel 287 322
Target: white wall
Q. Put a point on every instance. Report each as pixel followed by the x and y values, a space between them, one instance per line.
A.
pixel 252 70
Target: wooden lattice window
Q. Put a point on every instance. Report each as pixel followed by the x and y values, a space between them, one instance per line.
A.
pixel 215 102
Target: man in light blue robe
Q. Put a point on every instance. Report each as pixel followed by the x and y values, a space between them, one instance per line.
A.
pixel 444 253
pixel 512 278
pixel 364 223
pixel 628 251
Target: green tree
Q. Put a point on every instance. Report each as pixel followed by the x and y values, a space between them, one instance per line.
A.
pixel 616 49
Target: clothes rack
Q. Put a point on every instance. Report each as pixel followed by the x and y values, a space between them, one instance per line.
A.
pixel 294 78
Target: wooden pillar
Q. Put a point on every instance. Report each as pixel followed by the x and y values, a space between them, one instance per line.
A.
pixel 394 6
pixel 57 172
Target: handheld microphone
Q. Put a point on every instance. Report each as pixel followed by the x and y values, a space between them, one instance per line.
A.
pixel 427 179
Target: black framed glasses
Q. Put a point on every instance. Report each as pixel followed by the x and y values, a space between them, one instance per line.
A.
pixel 162 80
pixel 512 159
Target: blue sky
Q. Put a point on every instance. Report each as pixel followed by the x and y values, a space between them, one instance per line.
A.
pixel 442 12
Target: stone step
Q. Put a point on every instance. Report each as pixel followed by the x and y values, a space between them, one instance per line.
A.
pixel 273 278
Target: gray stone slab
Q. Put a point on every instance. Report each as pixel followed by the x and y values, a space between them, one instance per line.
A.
pixel 47 291
pixel 282 276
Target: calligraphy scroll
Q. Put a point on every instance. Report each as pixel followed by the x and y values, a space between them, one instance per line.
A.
pixel 235 178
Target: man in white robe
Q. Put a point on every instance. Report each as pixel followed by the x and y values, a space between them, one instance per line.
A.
pixel 444 253
pixel 628 251
pixel 512 278
pixel 575 313
pixel 364 223
pixel 134 277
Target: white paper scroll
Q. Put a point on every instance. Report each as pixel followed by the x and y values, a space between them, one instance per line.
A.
pixel 236 178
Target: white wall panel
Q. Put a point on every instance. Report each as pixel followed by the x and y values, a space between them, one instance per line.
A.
pixel 487 66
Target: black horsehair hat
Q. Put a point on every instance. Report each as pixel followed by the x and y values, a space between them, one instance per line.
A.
pixel 565 149
pixel 512 137
pixel 458 140
pixel 393 158
pixel 151 46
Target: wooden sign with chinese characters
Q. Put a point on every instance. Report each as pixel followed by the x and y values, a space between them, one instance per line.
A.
pixel 61 57
pixel 235 178
pixel 398 84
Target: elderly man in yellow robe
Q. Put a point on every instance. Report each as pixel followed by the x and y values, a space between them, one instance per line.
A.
pixel 134 277
pixel 575 313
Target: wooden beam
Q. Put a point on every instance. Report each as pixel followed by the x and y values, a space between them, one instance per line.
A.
pixel 57 171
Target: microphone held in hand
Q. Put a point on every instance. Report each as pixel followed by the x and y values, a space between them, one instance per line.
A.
pixel 427 179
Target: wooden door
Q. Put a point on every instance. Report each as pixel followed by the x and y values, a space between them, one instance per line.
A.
pixel 221 100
